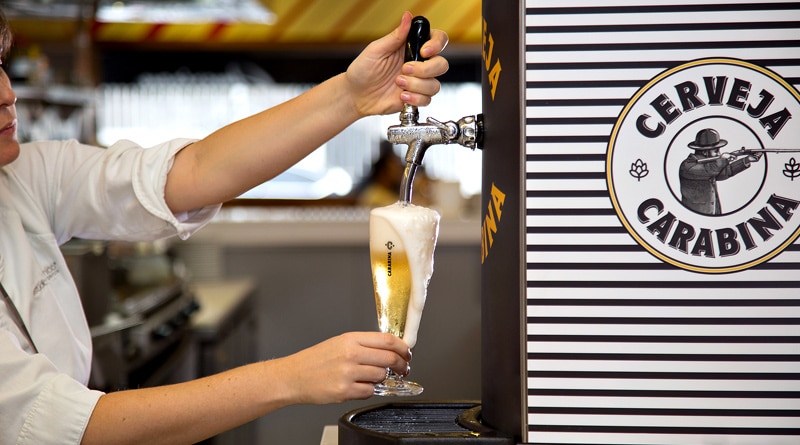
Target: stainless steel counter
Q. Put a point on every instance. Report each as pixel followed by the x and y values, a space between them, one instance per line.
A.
pixel 219 300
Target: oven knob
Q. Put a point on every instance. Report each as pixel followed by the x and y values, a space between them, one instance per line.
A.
pixel 178 320
pixel 162 331
pixel 191 308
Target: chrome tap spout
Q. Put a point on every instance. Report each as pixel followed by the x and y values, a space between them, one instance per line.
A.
pixel 468 131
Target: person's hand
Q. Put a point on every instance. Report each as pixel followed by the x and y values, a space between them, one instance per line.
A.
pixel 754 156
pixel 379 81
pixel 343 367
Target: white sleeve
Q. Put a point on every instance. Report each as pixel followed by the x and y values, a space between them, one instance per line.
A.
pixel 38 404
pixel 113 193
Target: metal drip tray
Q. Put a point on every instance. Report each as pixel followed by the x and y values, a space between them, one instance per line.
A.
pixel 418 423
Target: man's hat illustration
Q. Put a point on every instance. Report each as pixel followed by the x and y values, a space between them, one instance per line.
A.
pixel 707 139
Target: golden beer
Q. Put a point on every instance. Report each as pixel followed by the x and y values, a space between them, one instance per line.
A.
pixel 391 278
pixel 402 241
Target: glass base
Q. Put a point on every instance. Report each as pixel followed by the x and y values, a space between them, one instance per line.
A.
pixel 396 386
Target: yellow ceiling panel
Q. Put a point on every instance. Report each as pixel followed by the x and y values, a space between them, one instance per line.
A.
pixel 239 32
pixel 313 22
pixel 366 20
pixel 317 22
pixel 42 30
pixel 124 32
pixel 375 22
pixel 362 21
pixel 185 33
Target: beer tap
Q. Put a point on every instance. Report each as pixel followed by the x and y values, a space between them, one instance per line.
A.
pixel 467 131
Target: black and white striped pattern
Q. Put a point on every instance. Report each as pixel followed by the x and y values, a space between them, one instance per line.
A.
pixel 622 348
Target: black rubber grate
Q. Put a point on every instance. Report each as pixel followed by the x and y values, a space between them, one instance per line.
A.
pixel 411 421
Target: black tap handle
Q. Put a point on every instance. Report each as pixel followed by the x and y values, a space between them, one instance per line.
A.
pixel 419 33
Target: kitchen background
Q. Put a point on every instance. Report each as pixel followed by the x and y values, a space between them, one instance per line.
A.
pixel 297 262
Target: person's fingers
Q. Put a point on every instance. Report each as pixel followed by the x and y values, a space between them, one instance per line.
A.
pixel 437 43
pixel 422 87
pixel 380 340
pixel 397 38
pixel 402 370
pixel 381 351
pixel 428 69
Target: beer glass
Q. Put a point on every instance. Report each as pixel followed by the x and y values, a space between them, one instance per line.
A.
pixel 402 238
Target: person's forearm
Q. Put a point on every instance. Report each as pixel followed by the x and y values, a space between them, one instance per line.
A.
pixel 338 369
pixel 246 153
pixel 186 412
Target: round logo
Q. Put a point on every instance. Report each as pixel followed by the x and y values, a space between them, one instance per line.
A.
pixel 703 165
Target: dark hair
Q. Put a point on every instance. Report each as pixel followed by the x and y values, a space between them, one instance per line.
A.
pixel 6 37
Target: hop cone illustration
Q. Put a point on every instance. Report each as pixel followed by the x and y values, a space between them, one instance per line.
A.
pixel 639 170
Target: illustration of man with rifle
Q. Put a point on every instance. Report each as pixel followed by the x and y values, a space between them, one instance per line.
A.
pixel 701 170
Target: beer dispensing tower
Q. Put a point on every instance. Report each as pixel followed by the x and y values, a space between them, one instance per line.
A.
pixel 415 423
pixel 639 227
pixel 468 131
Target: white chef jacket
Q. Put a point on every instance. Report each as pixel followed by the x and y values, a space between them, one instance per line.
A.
pixel 55 191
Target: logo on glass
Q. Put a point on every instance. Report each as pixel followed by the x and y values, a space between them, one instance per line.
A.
pixel 389 246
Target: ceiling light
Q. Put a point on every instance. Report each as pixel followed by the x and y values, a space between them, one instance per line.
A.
pixel 175 11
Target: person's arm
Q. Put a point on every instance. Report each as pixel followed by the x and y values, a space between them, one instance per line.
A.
pixel 339 369
pixel 249 152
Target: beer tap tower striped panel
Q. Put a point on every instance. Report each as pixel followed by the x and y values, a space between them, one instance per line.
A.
pixel 633 293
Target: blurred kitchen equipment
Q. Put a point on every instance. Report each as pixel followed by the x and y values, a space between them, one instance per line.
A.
pixel 138 308
pixel 89 265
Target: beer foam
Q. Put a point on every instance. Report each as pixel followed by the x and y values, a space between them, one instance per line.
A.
pixel 418 229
